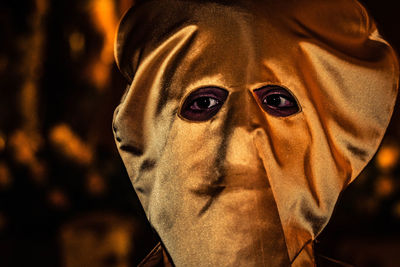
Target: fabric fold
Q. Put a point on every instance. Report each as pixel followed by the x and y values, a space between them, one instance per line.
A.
pixel 246 119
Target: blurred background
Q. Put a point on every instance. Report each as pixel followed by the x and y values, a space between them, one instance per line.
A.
pixel 65 198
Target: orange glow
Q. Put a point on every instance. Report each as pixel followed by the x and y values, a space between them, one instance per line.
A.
pixel 387 157
pixel 370 205
pixel 121 240
pixel 33 50
pixel 100 73
pixel 106 21
pixel 39 172
pixel 41 6
pixel 58 199
pixel 95 184
pixel 396 210
pixel 103 14
pixel 2 142
pixel 24 147
pixel 5 176
pixel 70 145
pixel 76 43
pixel 384 186
pixel 29 103
pixel 89 240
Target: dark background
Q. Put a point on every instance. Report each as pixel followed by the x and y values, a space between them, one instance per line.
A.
pixel 65 199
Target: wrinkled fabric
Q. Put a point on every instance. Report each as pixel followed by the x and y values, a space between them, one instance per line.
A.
pixel 246 188
pixel 158 258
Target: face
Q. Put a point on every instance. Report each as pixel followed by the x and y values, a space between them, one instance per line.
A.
pixel 239 130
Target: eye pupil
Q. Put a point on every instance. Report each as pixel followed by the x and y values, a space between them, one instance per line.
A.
pixel 273 100
pixel 203 102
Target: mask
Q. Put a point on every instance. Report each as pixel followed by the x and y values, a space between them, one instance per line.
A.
pixel 244 120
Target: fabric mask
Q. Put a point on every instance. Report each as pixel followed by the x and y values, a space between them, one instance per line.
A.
pixel 244 120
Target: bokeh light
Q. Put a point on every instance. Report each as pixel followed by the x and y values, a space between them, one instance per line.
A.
pixel 95 184
pixel 396 210
pixel 24 147
pixel 76 43
pixel 58 198
pixel 387 157
pixel 384 186
pixel 5 176
pixel 70 144
pixel 2 142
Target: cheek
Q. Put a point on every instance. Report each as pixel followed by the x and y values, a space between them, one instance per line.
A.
pixel 290 138
pixel 186 163
pixel 192 150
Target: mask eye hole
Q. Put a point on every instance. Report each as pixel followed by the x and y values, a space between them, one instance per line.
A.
pixel 277 101
pixel 203 103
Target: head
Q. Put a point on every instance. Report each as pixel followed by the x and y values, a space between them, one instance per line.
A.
pixel 244 120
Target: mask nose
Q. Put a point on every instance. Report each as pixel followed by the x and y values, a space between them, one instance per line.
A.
pixel 247 119
pixel 246 111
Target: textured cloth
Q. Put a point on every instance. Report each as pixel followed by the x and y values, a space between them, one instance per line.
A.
pixel 159 258
pixel 244 120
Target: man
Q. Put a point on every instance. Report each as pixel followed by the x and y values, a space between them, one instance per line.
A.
pixel 244 120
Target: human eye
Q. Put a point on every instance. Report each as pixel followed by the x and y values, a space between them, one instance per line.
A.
pixel 203 103
pixel 277 101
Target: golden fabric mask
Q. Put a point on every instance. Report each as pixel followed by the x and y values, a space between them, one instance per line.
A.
pixel 244 120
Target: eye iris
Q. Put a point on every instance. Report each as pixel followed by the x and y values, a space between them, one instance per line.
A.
pixel 203 102
pixel 273 100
